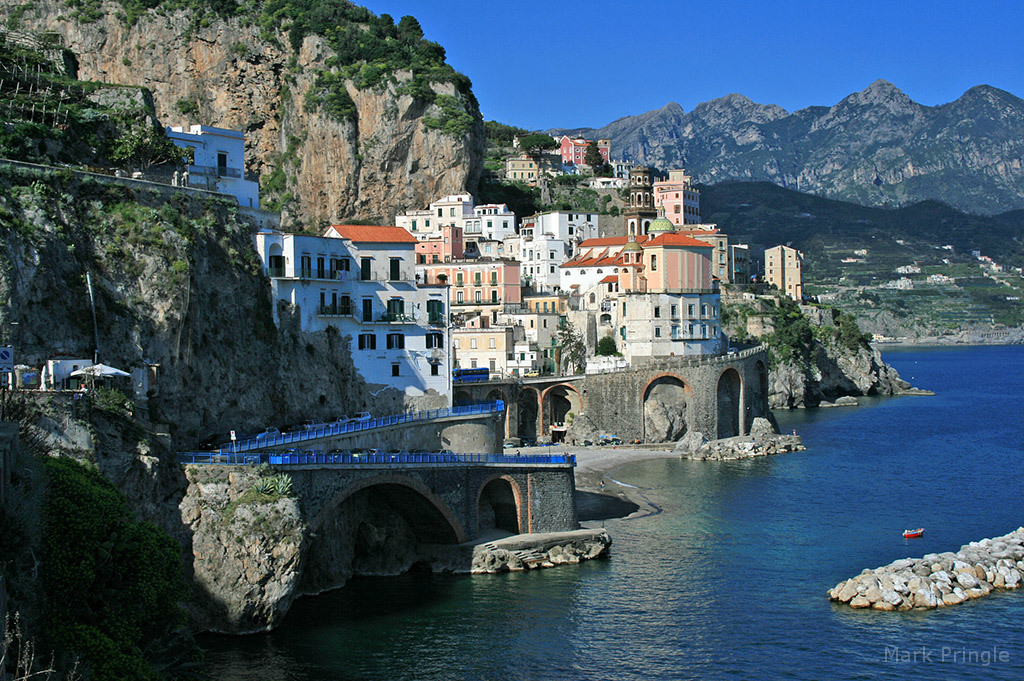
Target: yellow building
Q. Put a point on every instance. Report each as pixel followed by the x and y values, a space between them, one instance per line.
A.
pixel 783 269
pixel 522 169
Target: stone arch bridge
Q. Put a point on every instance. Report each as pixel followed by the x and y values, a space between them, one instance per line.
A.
pixel 657 401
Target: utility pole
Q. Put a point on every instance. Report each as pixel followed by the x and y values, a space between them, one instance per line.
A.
pixel 95 326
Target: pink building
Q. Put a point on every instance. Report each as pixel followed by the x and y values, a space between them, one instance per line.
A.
pixel 574 150
pixel 475 286
pixel 446 247
pixel 679 199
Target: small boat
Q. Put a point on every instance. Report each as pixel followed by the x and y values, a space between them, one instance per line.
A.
pixel 911 534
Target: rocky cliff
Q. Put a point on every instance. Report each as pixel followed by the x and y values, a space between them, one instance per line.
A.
pixel 371 151
pixel 875 147
pixel 819 356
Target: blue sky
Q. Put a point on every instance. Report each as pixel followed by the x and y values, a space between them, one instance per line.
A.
pixel 566 64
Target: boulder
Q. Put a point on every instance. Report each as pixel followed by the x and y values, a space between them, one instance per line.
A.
pixel 860 602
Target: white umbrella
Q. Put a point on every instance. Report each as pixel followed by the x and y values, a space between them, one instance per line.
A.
pixel 100 371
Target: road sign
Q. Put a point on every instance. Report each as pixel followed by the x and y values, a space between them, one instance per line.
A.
pixel 232 436
pixel 6 359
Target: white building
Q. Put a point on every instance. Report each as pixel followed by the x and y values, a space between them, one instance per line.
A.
pixel 546 241
pixel 492 221
pixel 361 281
pixel 218 162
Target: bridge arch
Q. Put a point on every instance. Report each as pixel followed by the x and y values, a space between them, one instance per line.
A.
pixel 461 397
pixel 529 412
pixel 499 504
pixel 556 402
pixel 665 399
pixel 730 403
pixel 427 515
pixel 759 394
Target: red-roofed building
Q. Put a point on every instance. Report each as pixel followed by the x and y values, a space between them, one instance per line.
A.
pixel 574 149
pixel 360 280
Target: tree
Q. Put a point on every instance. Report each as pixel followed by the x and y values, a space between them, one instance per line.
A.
pixel 536 143
pixel 606 346
pixel 593 157
pixel 574 350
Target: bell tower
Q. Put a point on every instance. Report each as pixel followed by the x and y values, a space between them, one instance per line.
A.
pixel 640 213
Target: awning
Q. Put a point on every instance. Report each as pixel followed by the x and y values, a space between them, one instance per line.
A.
pixel 100 371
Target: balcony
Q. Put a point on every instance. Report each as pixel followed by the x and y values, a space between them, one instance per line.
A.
pixel 215 171
pixel 336 310
pixel 396 318
pixel 275 272
pixel 437 320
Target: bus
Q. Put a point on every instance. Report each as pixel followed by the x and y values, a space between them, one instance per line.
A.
pixel 470 375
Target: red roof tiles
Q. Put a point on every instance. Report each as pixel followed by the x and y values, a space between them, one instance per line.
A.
pixel 373 233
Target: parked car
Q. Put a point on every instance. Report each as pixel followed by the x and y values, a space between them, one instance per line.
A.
pixel 362 416
pixel 531 374
pixel 269 432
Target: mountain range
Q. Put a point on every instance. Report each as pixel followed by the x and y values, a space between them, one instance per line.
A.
pixel 876 147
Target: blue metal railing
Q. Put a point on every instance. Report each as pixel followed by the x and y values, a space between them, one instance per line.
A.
pixel 330 429
pixel 315 457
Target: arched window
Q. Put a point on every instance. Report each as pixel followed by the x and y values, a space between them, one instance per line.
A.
pixel 593 298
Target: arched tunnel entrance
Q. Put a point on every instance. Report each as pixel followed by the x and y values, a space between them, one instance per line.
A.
pixel 561 404
pixel 729 385
pixel 665 403
pixel 374 528
pixel 498 507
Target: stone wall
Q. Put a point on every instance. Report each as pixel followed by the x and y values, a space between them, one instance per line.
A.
pixel 719 396
pixel 8 452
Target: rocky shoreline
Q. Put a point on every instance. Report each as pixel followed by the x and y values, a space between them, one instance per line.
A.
pixel 938 579
pixel 762 441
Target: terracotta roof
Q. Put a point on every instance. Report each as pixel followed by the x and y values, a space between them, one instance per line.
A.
pixel 676 240
pixel 610 279
pixel 373 233
pixel 610 241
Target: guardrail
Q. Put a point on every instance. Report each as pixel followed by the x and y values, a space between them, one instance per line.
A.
pixel 317 457
pixel 330 429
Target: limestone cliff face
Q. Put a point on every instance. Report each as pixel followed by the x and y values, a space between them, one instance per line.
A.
pixel 832 373
pixel 384 160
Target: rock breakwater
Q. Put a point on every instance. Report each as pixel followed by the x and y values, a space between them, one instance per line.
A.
pixel 939 579
pixel 762 441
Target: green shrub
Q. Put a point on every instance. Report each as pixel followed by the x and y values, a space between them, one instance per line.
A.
pixel 112 584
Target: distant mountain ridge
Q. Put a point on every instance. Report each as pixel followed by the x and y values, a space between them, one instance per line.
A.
pixel 876 147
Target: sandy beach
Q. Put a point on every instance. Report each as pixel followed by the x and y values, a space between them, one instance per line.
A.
pixel 594 466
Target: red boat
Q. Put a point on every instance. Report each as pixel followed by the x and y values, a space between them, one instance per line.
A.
pixel 911 534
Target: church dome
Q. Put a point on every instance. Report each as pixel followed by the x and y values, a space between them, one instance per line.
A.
pixel 661 225
pixel 632 247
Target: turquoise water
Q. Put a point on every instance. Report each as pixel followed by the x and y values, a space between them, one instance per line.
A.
pixel 729 580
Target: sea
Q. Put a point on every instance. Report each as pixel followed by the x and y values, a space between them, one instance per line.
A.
pixel 728 579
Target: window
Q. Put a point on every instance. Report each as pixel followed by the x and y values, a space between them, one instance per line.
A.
pixel 394 369
pixel 657 332
pixel 396 309
pixel 451 212
pixel 414 225
pixel 478 296
pixel 689 310
pixel 435 369
pixel 654 263
pixel 493 364
pixel 367 341
pixel 494 295
pixel 367 309
pixel 457 344
pixel 321 270
pixel 440 213
pixel 306 265
pixel 472 343
pixel 435 311
pixel 435 340
pixel 494 274
pixel 478 278
pixel 545 323
pixel 657 311
pixel 364 268
pixel 396 341
pixel 673 311
pixel 345 264
pixel 459 297
pixel 346 305
pixel 396 269
pixel 552 269
pixel 492 343
pixel 458 279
